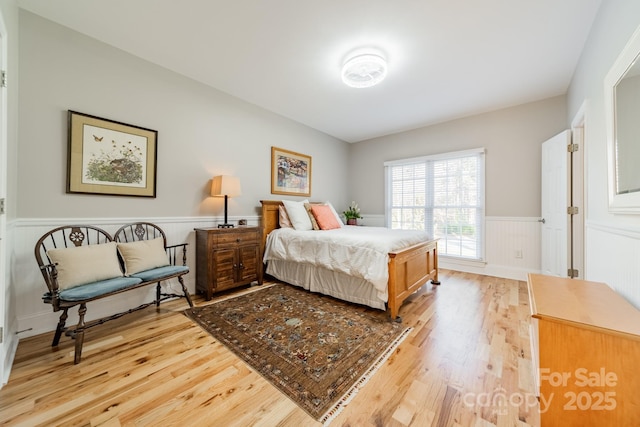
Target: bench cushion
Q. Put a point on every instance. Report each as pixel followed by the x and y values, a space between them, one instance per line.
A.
pixel 143 255
pixel 80 265
pixel 96 289
pixel 160 272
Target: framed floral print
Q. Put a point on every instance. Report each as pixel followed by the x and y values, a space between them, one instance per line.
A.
pixel 110 158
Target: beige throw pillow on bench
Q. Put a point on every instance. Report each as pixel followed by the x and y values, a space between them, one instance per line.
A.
pixel 143 255
pixel 85 264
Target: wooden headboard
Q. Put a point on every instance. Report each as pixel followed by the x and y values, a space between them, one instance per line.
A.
pixel 270 218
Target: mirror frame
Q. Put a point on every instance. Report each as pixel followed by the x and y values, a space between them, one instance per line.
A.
pixel 627 202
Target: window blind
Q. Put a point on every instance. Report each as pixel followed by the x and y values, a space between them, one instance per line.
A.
pixel 442 195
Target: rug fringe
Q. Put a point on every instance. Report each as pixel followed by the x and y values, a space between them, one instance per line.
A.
pixel 332 413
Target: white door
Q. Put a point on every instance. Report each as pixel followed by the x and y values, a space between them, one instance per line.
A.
pixel 555 191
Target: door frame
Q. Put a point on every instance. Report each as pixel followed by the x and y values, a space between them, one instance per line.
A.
pixel 578 190
pixel 7 344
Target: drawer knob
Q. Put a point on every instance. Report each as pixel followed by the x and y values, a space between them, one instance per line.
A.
pixel 238 240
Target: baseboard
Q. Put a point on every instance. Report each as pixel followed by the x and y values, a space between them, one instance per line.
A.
pixel 11 347
pixel 503 271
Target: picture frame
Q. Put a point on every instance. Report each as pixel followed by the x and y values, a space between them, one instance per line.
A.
pixel 290 172
pixel 110 158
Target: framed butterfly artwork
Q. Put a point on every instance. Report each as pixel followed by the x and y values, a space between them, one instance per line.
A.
pixel 110 158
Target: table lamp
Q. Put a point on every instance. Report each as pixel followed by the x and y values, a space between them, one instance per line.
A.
pixel 227 186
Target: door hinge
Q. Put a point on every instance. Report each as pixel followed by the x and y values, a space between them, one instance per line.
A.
pixel 572 273
pixel 3 78
pixel 1 206
pixel 572 148
pixel 572 210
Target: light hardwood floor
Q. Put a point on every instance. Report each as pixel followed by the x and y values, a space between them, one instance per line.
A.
pixel 467 362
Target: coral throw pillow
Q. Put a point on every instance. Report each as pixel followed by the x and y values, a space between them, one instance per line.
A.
pixel 325 217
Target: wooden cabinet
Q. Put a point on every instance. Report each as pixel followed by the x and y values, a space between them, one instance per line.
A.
pixel 227 258
pixel 586 344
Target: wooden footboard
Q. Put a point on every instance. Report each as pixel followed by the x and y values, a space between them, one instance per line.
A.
pixel 410 269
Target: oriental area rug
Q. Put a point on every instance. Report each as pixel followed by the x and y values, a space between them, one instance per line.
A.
pixel 317 350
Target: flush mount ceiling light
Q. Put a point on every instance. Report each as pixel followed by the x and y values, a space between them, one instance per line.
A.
pixel 364 70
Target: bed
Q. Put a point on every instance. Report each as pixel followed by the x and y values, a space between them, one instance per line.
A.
pixel 407 269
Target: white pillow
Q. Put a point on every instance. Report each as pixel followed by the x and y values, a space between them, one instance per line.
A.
pixel 143 255
pixel 85 264
pixel 335 213
pixel 298 214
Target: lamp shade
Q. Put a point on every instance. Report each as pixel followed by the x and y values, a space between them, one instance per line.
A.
pixel 225 185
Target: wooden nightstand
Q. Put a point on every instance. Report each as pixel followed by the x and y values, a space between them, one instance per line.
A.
pixel 227 258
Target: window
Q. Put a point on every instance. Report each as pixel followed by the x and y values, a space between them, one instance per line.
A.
pixel 443 195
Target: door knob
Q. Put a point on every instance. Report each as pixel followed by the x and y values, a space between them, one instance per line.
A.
pixel 542 220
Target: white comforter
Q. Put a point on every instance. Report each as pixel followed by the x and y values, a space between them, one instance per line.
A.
pixel 357 251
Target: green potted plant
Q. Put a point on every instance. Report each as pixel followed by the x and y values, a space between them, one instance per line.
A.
pixel 352 214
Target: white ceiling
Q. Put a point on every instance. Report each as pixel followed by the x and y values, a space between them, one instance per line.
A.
pixel 447 58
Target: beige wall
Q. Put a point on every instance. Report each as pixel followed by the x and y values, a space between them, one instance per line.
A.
pixel 10 15
pixel 201 132
pixel 612 241
pixel 612 28
pixel 512 138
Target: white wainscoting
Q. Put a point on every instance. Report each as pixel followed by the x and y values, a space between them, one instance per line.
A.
pixel 10 339
pixel 613 257
pixel 35 317
pixel 512 247
pixel 505 239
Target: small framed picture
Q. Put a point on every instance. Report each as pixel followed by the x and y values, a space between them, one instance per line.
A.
pixel 111 158
pixel 290 172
